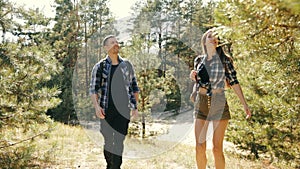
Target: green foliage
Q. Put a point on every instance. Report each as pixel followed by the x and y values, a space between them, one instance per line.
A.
pixel 172 29
pixel 157 93
pixel 64 41
pixel 24 100
pixel 265 40
pixel 204 15
pixel 25 69
pixel 147 71
pixel 27 64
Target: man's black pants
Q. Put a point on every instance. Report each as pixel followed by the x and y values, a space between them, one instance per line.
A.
pixel 114 129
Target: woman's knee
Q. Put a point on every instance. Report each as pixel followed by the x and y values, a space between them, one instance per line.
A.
pixel 201 147
pixel 217 150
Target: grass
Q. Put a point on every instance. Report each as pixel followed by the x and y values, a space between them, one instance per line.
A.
pixel 70 147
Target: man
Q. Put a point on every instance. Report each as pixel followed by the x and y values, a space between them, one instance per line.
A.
pixel 114 92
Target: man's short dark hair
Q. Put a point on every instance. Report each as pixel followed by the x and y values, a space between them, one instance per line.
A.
pixel 104 42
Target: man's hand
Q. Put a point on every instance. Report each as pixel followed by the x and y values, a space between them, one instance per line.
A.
pixel 134 114
pixel 99 112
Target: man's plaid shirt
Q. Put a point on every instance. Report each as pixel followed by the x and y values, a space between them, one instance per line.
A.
pixel 102 84
pixel 217 71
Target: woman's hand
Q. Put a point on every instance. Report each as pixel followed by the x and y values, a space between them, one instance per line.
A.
pixel 238 91
pixel 247 111
pixel 193 75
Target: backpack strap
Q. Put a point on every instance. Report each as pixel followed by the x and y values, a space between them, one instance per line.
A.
pixel 197 61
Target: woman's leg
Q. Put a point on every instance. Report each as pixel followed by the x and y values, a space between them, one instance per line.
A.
pixel 218 137
pixel 200 136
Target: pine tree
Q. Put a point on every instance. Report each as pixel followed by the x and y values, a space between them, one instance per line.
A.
pixel 265 41
pixel 27 64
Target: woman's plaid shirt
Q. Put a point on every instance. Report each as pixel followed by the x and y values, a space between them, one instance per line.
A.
pixel 218 71
pixel 102 84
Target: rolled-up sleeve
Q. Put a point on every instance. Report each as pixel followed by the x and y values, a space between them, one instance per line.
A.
pixel 231 73
pixel 135 89
pixel 134 85
pixel 95 79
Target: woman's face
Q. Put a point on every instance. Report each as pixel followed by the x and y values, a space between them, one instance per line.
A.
pixel 211 40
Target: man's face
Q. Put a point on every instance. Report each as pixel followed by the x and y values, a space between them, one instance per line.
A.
pixel 112 46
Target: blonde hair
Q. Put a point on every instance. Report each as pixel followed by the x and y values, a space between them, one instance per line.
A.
pixel 223 56
pixel 203 41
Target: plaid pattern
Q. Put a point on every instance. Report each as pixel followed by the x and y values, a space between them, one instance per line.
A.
pixel 230 72
pixel 217 71
pixel 97 83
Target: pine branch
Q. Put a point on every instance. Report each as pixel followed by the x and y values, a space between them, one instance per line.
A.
pixel 259 32
pixel 288 26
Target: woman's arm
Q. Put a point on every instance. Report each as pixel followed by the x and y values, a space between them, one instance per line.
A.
pixel 238 91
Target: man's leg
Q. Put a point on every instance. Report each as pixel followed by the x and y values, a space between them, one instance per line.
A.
pixel 107 133
pixel 108 157
pixel 118 150
pixel 121 126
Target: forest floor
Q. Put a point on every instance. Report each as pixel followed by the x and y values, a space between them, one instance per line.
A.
pixel 74 147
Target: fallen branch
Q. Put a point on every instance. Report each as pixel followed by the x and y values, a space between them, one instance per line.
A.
pixel 21 141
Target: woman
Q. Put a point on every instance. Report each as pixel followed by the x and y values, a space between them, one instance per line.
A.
pixel 213 107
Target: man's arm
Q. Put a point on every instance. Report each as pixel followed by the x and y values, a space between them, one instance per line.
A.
pixel 134 112
pixel 94 87
pixel 99 111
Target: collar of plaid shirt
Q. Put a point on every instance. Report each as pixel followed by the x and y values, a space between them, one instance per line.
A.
pixel 216 71
pixel 129 79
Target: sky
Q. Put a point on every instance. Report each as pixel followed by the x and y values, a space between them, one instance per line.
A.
pixel 43 5
pixel 119 8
